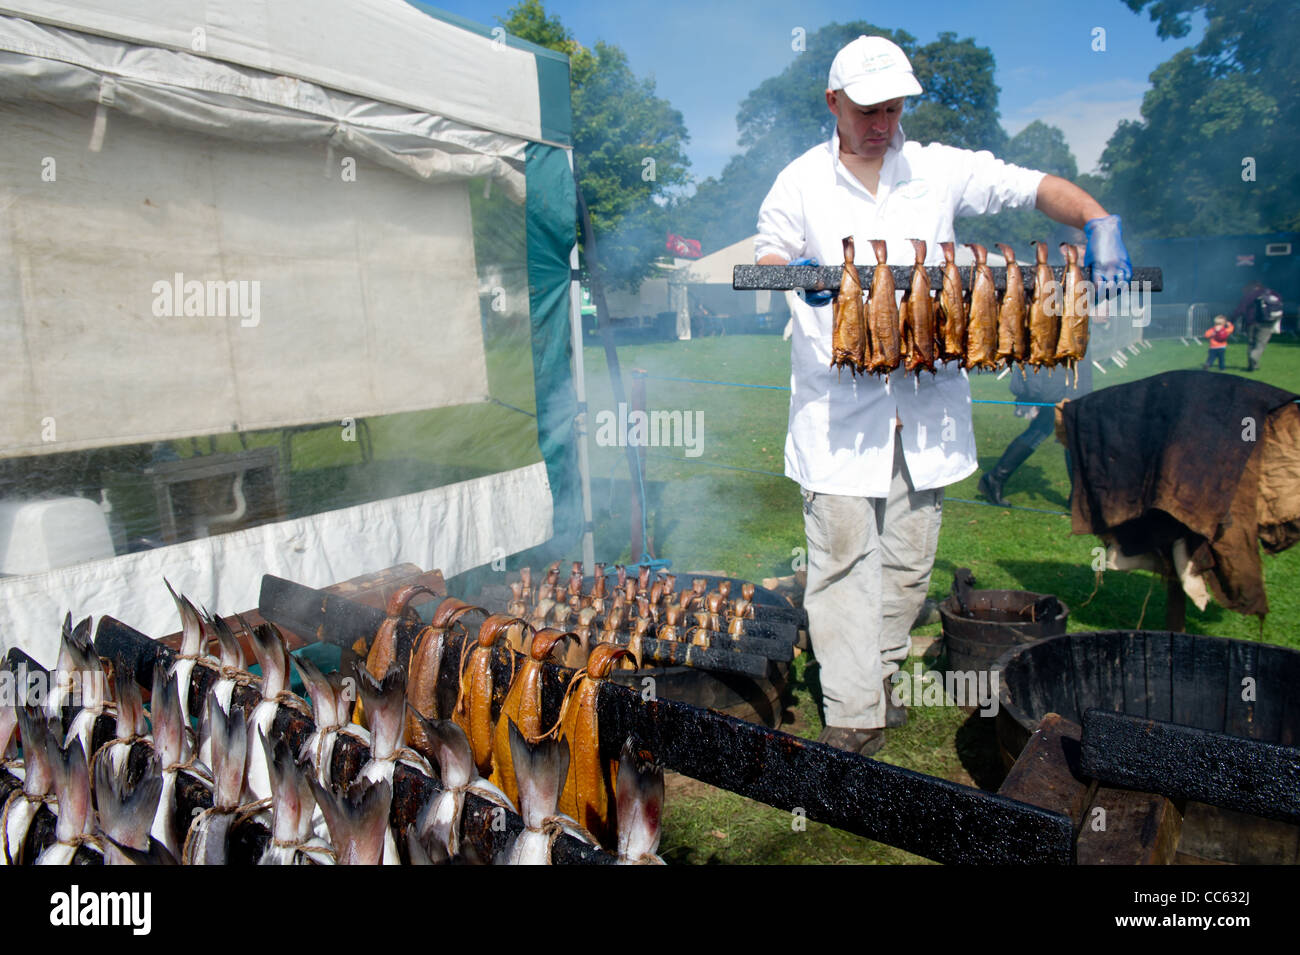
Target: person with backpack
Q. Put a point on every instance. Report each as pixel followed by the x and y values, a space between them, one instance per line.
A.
pixel 1261 309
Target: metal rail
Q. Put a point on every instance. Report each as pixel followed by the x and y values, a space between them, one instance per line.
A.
pixel 815 278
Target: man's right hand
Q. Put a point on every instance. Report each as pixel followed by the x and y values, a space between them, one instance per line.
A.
pixel 815 299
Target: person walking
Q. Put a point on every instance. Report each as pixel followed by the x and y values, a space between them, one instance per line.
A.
pixel 1260 310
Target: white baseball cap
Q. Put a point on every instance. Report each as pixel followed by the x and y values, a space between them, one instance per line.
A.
pixel 873 70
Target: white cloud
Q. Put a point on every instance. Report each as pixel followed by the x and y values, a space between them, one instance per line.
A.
pixel 1087 115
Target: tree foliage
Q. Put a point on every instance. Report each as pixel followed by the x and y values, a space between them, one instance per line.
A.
pixel 1212 152
pixel 627 144
pixel 786 115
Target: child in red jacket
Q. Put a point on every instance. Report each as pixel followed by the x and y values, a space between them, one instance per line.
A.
pixel 1218 334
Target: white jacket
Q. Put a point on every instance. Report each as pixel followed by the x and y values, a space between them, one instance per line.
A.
pixel 841 432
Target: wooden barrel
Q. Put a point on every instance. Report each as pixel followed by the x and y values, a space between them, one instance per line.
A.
pixel 1225 686
pixel 994 622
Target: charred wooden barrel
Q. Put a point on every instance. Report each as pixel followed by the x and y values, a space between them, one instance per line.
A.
pixel 1212 683
pixel 995 621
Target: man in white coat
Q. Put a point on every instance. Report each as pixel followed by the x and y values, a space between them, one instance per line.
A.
pixel 873 456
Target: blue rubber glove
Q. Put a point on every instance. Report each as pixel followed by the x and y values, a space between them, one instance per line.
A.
pixel 1106 253
pixel 815 299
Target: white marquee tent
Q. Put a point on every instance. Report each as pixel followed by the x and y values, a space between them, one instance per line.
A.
pixel 230 215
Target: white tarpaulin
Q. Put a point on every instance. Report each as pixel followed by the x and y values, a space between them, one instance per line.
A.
pixel 382 50
pixel 300 297
pixel 452 528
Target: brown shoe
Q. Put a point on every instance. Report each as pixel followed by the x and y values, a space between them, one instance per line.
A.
pixel 895 715
pixel 865 742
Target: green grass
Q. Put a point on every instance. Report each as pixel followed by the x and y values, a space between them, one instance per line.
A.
pixel 709 518
pixel 748 525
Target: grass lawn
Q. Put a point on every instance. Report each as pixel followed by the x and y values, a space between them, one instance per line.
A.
pixel 730 510
pixel 708 518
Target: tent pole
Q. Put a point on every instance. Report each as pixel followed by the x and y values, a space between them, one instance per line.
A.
pixel 580 426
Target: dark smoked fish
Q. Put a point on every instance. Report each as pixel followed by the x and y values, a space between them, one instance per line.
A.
pixel 848 331
pixel 1044 312
pixel 916 320
pixel 885 351
pixel 982 321
pixel 950 309
pixel 1013 317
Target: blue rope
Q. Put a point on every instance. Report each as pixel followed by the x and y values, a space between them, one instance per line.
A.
pixel 729 384
pixel 737 384
pixel 958 500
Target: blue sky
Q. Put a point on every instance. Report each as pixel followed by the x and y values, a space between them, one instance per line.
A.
pixel 706 57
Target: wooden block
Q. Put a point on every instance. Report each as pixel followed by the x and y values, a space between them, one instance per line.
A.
pixel 1140 829
pixel 1047 774
pixel 372 589
pixel 1213 834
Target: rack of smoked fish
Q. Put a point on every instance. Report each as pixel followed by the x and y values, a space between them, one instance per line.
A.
pixel 461 662
pixel 716 623
pixel 979 316
pixel 90 775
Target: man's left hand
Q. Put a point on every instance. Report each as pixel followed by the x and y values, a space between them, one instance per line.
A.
pixel 1106 253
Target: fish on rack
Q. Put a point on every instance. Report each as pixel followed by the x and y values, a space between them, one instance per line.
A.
pixel 848 330
pixel 273 658
pixel 1013 315
pixel 293 807
pixel 126 813
pixel 36 730
pixel 588 794
pixel 438 827
pixel 131 726
pixel 541 768
pixel 192 651
pixel 75 830
pixel 81 683
pixel 473 712
pixel 885 352
pixel 206 843
pixel 1072 345
pixel 982 311
pixel 640 800
pixel 357 818
pixel 173 747
pixel 1044 312
pixel 522 706
pixel 916 322
pixel 950 309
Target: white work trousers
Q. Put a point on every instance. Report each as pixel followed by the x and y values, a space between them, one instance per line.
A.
pixel 869 562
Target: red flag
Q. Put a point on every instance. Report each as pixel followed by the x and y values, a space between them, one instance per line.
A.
pixel 683 248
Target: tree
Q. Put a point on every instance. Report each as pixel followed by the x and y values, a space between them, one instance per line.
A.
pixel 1037 146
pixel 786 115
pixel 627 145
pixel 1212 152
